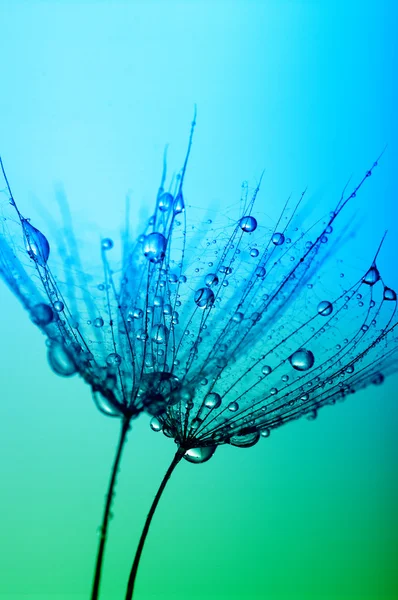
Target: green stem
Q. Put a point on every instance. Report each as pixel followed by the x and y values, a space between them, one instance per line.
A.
pixel 107 509
pixel 133 573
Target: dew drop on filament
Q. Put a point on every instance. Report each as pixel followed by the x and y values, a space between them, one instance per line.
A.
pixel 42 314
pixel 372 276
pixel 200 455
pixel 60 360
pixel 155 247
pixel 302 359
pixel 36 244
pixel 248 224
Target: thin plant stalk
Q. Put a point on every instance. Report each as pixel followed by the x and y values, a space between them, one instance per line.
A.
pixel 107 509
pixel 134 569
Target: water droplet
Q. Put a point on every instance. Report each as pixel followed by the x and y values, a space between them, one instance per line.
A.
pixel 372 276
pixel 156 424
pixel 237 318
pixel 159 333
pixel 107 244
pixel 61 360
pixel 233 406
pixel 378 379
pixel 273 391
pixel 325 308
pixel 245 440
pixel 278 239
pixel 204 298
pixel 99 322
pixel 350 369
pixel 165 201
pixel 213 400
pixel 113 359
pixel 58 306
pixel 199 455
pixel 36 244
pixel 266 370
pixel 302 360
pixel 389 294
pixel 260 272
pixel 42 314
pixel 248 224
pixel 265 432
pixel 254 252
pixel 155 247
pixel 179 204
pixel 211 280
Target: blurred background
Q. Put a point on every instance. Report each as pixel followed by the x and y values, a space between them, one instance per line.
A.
pixel 91 93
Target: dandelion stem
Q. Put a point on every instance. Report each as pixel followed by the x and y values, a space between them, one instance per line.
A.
pixel 107 509
pixel 133 573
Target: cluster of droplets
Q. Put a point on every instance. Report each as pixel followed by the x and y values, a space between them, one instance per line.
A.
pixel 221 334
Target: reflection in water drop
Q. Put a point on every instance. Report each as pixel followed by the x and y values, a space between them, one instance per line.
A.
pixel 199 455
pixel 325 308
pixel 36 244
pixel 248 224
pixel 155 247
pixel 302 360
pixel 42 314
pixel 372 276
pixel 61 360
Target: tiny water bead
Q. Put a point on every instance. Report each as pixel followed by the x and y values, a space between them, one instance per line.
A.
pixel 325 308
pixel 302 360
pixel 99 322
pixel 233 406
pixel 200 455
pixel 36 244
pixel 113 359
pixel 266 370
pixel 155 247
pixel 213 400
pixel 248 224
pixel 107 244
pixel 178 204
pixel 165 201
pixel 278 239
pixel 204 298
pixel 260 272
pixel 372 276
pixel 211 280
pixel 60 360
pixel 254 252
pixel 42 314
pixel 58 306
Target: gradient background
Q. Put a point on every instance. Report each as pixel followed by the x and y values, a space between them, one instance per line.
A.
pixel 90 94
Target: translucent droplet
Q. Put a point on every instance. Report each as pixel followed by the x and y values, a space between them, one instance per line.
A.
pixel 113 359
pixel 265 432
pixel 302 360
pixel 237 318
pixel 159 334
pixel 156 424
pixel 372 276
pixel 204 298
pixel 278 239
pixel 36 244
pixel 260 272
pixel 266 370
pixel 389 294
pixel 107 244
pixel 248 224
pixel 233 406
pixel 211 280
pixel 155 247
pixel 165 201
pixel 179 204
pixel 199 455
pixel 99 322
pixel 325 308
pixel 61 360
pixel 213 400
pixel 58 306
pixel 42 314
pixel 245 440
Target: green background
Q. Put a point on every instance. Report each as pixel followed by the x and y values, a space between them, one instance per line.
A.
pixel 90 94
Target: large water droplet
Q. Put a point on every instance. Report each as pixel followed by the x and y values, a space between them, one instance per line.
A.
pixel 254 252
pixel 99 322
pixel 213 400
pixel 42 314
pixel 107 406
pixel 156 424
pixel 245 440
pixel 159 334
pixel 389 294
pixel 179 204
pixel 372 276
pixel 113 359
pixel 204 298
pixel 211 280
pixel 266 370
pixel 248 224
pixel 61 360
pixel 155 247
pixel 278 239
pixel 325 308
pixel 233 406
pixel 302 360
pixel 199 455
pixel 165 201
pixel 36 244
